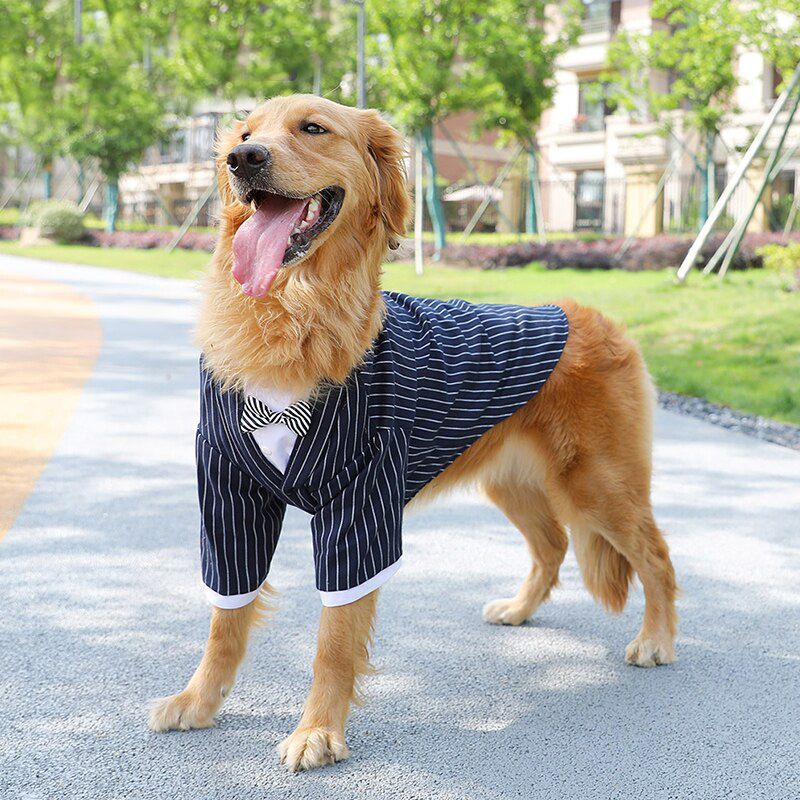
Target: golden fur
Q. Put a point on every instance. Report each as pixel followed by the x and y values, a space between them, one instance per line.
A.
pixel 577 456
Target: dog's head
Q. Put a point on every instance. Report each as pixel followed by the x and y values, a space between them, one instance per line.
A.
pixel 303 178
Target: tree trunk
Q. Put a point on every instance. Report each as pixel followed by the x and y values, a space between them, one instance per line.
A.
pixel 531 207
pixel 707 192
pixel 432 195
pixel 81 183
pixel 111 204
pixel 48 180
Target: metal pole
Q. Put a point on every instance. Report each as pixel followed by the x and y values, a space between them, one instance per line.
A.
pixel 468 164
pixel 362 78
pixel 741 226
pixel 485 202
pixel 662 182
pixel 537 202
pixel 16 186
pixel 316 59
pixel 317 87
pixel 795 206
pixel 755 146
pixel 201 201
pixel 418 200
pixel 87 198
pixel 78 10
pixel 783 162
pixel 721 250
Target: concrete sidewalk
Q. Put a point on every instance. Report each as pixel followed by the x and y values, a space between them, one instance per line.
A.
pixel 102 611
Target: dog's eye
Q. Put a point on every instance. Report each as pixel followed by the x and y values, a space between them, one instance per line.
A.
pixel 313 128
pixel 245 137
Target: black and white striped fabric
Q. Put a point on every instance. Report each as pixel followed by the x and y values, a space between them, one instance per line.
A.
pixel 439 375
pixel 255 415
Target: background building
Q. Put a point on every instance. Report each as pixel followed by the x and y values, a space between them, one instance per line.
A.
pixel 600 171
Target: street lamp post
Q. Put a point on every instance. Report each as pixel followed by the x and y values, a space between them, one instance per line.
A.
pixel 78 10
pixel 361 76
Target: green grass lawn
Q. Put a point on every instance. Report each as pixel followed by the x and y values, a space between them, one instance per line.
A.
pixel 736 343
pixel 177 264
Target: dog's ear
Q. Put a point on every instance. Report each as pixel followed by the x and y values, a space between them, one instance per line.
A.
pixel 386 148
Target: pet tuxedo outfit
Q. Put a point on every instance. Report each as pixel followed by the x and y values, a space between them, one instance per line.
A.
pixel 438 376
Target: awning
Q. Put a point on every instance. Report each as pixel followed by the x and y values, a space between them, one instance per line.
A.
pixel 474 193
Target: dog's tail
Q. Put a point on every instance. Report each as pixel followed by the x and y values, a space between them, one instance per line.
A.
pixel 606 572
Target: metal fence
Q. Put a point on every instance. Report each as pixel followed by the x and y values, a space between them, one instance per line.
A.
pixel 163 192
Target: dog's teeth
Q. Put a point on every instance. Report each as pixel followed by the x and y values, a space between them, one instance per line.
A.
pixel 303 225
pixel 289 242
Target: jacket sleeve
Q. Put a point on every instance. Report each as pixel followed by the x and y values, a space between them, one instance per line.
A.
pixel 240 522
pixel 358 527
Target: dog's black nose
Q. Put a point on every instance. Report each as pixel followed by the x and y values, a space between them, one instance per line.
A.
pixel 246 159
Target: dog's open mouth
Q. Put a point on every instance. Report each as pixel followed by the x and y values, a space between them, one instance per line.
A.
pixel 280 232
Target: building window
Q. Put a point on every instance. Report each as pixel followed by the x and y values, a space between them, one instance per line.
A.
pixel 589 197
pixel 593 107
pixel 601 15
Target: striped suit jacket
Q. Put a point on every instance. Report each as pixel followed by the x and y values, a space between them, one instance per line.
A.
pixel 439 375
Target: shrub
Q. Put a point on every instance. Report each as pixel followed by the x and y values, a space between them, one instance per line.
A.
pixel 657 252
pixel 779 213
pixel 59 220
pixel 148 240
pixel 783 260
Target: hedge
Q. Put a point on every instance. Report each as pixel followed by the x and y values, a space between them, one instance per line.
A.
pixel 657 252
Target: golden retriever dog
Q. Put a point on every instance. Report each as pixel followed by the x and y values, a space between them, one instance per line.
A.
pixel 576 456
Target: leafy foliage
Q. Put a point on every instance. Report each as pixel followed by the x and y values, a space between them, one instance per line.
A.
pixel 511 56
pixel 691 47
pixel 94 98
pixel 59 220
pixel 247 48
pixel 785 261
pixel 774 28
pixel 115 108
pixel 417 58
pixel 35 40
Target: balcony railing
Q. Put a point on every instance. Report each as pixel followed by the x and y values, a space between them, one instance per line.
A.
pixel 599 25
pixel 601 16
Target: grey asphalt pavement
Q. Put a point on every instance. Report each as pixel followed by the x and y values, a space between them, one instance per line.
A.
pixel 101 611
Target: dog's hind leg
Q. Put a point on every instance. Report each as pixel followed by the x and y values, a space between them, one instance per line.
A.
pixel 345 633
pixel 526 506
pixel 618 538
pixel 197 705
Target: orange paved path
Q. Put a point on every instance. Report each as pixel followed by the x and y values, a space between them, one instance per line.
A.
pixel 50 338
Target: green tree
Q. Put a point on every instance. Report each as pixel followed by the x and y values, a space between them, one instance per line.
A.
pixel 692 47
pixel 118 99
pixel 773 27
pixel 416 71
pixel 511 56
pixel 35 39
pixel 247 48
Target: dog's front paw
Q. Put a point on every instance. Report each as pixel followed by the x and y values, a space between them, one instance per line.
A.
pixel 182 712
pixel 505 612
pixel 649 652
pixel 308 748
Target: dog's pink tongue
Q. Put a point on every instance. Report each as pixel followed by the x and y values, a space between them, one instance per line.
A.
pixel 260 243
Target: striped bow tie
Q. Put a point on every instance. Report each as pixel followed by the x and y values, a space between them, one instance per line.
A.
pixel 255 415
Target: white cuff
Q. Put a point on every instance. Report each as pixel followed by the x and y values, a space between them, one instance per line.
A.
pixel 230 601
pixel 346 596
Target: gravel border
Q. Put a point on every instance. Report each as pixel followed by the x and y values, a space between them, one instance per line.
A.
pixel 768 430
